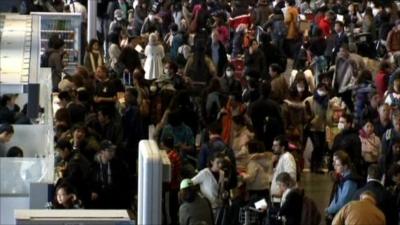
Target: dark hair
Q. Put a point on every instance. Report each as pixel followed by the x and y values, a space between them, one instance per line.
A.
pixel 173 27
pixel 255 146
pixel 291 2
pixel 215 155
pixel 15 151
pixel 168 141
pixel 4 99
pixel 374 172
pixel 64 95
pixel 114 38
pixel 283 141
pixel 80 126
pixel 55 42
pixel 174 118
pixel 384 65
pixel 276 67
pixel 132 91
pixel 69 189
pixel 339 23
pixel 91 43
pixel 285 179
pixel 343 157
pixel 172 65
pixel 106 111
pixel 64 144
pixel 239 120
pixel 215 128
pixel 7 128
pixel 265 89
pixel 348 117
pixel 394 170
pixel 214 85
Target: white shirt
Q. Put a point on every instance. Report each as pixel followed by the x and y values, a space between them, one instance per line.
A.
pixel 286 164
pixel 77 7
pixel 208 186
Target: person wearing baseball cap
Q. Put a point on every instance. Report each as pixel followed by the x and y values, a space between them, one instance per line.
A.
pixel 195 209
pixel 110 188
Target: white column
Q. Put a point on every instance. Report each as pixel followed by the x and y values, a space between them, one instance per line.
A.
pixel 92 16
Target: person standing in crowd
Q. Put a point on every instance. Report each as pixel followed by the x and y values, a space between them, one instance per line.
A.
pixel 105 92
pixel 109 186
pixel 384 199
pixel 389 143
pixel 154 53
pixel 132 128
pixel 6 133
pixel 258 171
pixel 383 121
pixel 254 61
pixel 291 20
pixel 74 170
pixel 212 181
pixel 393 40
pixel 286 163
pixel 316 109
pixel 347 184
pixel 279 85
pixel 292 199
pixel 370 143
pixel 229 83
pixel 382 78
pixel 347 140
pixel 53 57
pixel 195 209
pixel 266 117
pixel 176 166
pixel 93 56
pixel 241 136
pixel 216 51
pixel 362 212
pixel 114 50
pixel 151 24
pixel 340 38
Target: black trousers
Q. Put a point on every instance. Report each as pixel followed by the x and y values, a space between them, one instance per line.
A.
pixel 318 140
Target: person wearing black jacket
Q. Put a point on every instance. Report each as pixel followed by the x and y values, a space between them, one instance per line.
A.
pixel 266 117
pixel 74 169
pixel 348 141
pixel 384 198
pixel 110 184
pixel 229 84
pixel 292 200
pixel 132 127
pixel 254 60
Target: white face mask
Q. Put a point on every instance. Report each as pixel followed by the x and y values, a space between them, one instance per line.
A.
pixel 321 93
pixel 300 88
pixel 229 73
pixel 151 17
pixel 340 126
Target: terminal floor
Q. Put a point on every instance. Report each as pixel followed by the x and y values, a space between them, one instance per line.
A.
pixel 318 187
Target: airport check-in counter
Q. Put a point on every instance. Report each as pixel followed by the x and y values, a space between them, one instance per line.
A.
pixel 19 75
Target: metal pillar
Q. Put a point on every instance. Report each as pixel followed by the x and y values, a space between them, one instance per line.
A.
pixel 92 16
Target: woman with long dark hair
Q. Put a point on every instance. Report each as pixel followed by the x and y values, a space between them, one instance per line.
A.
pixel 93 56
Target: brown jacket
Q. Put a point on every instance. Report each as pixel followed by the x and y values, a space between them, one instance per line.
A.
pixel 393 41
pixel 291 21
pixel 363 212
pixel 279 88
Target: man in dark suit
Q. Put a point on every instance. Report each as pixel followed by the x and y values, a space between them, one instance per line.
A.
pixel 292 199
pixel 384 199
pixel 340 37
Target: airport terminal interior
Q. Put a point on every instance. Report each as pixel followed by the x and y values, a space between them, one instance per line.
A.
pixel 200 112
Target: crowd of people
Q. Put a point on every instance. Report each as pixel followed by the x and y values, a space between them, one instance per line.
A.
pixel 237 93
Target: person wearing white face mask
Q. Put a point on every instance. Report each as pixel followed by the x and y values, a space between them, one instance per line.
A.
pixel 348 141
pixel 316 110
pixel 229 84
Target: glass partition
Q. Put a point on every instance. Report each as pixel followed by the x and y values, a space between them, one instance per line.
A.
pixel 17 174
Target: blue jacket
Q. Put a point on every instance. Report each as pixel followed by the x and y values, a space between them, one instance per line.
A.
pixel 344 194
